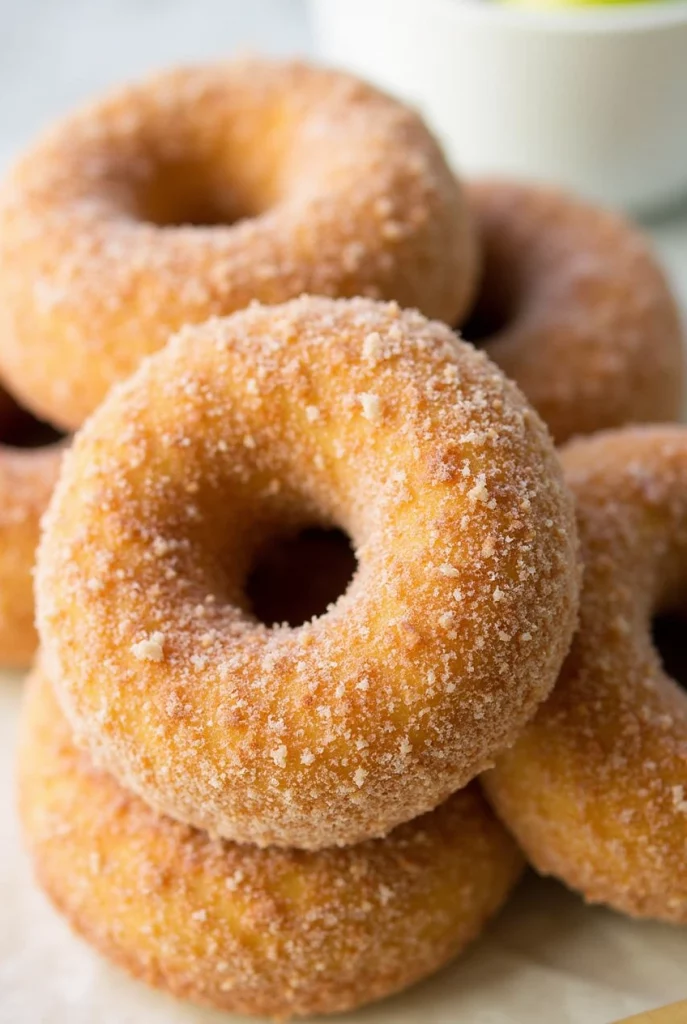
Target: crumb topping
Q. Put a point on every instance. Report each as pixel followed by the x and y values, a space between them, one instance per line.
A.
pixel 151 648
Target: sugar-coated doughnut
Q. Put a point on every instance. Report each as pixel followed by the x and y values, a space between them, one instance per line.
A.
pixel 27 479
pixel 595 790
pixel 575 308
pixel 344 413
pixel 198 190
pixel 276 932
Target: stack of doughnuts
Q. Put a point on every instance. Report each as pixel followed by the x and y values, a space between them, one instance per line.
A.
pixel 340 749
pixel 245 777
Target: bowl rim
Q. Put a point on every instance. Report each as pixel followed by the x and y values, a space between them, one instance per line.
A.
pixel 596 18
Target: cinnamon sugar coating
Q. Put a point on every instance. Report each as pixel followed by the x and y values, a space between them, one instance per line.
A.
pixel 276 932
pixel 575 308
pixel 27 478
pixel 345 413
pixel 594 789
pixel 200 189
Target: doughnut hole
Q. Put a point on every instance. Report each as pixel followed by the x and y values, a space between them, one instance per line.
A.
pixel 189 194
pixel 298 577
pixel 669 634
pixel 497 302
pixel 20 429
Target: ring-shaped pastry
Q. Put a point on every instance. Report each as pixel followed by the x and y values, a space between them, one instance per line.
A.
pixel 345 413
pixel 201 189
pixel 595 790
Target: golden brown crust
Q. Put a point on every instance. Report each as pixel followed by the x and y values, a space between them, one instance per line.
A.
pixel 595 790
pixel 27 479
pixel 590 331
pixel 348 412
pixel 275 932
pixel 315 181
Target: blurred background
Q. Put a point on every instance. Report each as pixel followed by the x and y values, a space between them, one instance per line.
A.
pixel 56 53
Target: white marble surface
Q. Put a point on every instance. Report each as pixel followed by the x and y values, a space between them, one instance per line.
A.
pixel 548 957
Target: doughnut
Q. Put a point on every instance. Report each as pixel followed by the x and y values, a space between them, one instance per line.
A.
pixel 595 790
pixel 574 307
pixel 275 932
pixel 30 457
pixel 196 191
pixel 340 413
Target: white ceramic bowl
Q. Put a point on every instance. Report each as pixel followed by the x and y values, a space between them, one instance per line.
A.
pixel 592 98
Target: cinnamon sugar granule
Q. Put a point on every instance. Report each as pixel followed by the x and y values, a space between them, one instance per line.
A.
pixel 488 547
pixel 233 881
pixel 151 648
pixel 279 756
pixel 372 345
pixel 372 408
pixel 479 491
pixel 678 793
